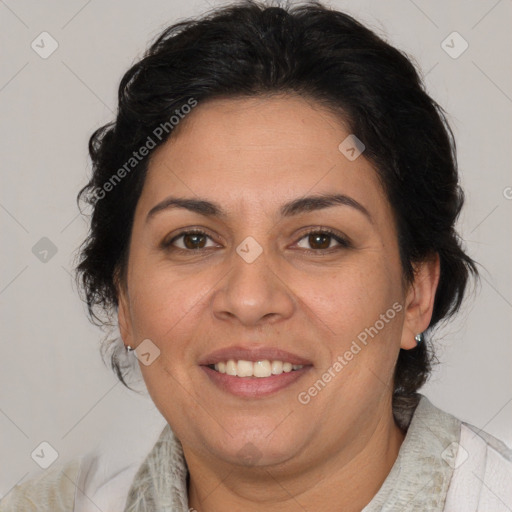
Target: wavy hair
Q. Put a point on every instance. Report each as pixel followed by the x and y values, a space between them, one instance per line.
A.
pixel 250 49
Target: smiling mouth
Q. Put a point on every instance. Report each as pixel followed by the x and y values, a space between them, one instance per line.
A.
pixel 258 369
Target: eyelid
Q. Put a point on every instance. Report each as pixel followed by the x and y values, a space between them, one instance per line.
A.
pixel 342 240
pixel 167 243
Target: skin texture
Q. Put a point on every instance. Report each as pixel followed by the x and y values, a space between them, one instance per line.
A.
pixel 251 156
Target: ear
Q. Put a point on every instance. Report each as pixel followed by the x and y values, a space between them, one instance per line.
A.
pixel 419 302
pixel 123 311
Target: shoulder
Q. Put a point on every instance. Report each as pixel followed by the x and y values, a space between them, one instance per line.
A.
pixel 96 480
pixel 475 466
pixel 53 490
pixel 72 486
pixel 482 473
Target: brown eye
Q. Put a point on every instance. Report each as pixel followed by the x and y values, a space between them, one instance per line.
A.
pixel 321 240
pixel 188 241
pixel 194 241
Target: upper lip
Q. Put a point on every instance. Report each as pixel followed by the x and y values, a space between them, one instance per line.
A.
pixel 252 354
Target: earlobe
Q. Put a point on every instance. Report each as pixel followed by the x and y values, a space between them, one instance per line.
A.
pixel 420 301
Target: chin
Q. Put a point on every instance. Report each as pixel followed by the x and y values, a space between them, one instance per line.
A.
pixel 256 448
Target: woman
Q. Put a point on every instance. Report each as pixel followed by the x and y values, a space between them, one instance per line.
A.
pixel 273 225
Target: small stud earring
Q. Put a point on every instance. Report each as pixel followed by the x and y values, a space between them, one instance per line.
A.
pixel 128 348
pixel 419 338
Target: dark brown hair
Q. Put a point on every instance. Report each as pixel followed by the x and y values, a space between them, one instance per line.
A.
pixel 252 49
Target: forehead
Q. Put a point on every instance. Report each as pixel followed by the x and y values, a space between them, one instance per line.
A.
pixel 258 150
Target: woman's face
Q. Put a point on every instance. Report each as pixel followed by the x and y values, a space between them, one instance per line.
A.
pixel 279 276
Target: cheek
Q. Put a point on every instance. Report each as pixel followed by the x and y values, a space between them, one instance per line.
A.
pixel 164 303
pixel 358 307
pixel 350 298
pixel 169 304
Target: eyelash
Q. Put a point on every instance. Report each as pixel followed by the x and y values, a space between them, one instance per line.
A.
pixel 343 242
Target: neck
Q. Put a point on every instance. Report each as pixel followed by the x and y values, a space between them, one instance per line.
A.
pixel 350 478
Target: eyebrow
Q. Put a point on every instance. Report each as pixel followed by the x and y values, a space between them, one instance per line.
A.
pixel 295 207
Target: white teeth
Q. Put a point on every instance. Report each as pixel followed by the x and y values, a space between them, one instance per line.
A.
pixel 244 369
pixel 265 368
pixel 262 369
pixel 277 367
pixel 230 367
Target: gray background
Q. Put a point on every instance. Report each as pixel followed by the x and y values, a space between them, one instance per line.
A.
pixel 53 384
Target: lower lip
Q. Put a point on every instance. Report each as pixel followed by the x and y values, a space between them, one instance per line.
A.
pixel 254 387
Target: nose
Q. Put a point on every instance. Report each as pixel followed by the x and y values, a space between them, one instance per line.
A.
pixel 253 293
